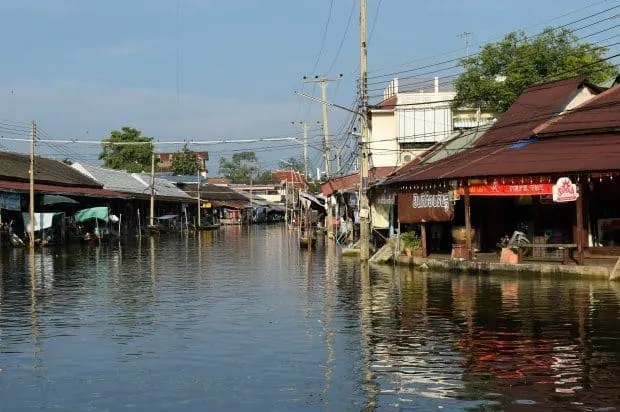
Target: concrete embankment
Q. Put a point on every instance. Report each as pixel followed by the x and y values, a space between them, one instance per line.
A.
pixel 474 267
pixel 386 256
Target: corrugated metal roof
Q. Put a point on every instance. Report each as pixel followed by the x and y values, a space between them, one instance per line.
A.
pixel 112 179
pixel 352 181
pixel 577 144
pixel 163 187
pixel 210 192
pixel 541 156
pixel 137 184
pixel 16 166
pixel 600 112
pixel 534 106
pixel 61 190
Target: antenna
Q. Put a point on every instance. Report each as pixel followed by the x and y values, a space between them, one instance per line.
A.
pixel 465 35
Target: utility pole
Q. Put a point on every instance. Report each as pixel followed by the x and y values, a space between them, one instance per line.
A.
pixel 152 216
pixel 364 211
pixel 304 128
pixel 198 194
pixel 33 135
pixel 323 82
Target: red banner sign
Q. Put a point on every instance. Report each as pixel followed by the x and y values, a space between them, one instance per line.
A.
pixel 501 189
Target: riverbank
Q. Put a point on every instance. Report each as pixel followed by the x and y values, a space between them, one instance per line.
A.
pixel 602 270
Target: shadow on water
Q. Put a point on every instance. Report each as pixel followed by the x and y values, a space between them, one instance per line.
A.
pixel 242 319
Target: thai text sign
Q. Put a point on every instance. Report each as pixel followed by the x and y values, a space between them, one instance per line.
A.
pixel 425 207
pixel 565 190
pixel 502 189
pixel 431 200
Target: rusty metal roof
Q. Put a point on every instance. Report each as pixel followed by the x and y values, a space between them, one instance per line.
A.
pixel 61 190
pixel 538 156
pixel 16 166
pixel 599 113
pixel 535 105
pixel 579 140
pixel 352 181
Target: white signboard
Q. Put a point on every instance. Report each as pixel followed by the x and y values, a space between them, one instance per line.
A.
pixel 564 190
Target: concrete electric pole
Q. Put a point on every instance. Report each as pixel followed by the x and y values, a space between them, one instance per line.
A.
pixel 364 211
pixel 323 82
pixel 33 136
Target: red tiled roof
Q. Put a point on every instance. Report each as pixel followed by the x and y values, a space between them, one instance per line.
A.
pixel 387 104
pixel 291 176
pixel 352 181
pixel 534 106
pixel 66 190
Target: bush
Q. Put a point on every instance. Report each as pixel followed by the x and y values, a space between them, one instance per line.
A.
pixel 411 240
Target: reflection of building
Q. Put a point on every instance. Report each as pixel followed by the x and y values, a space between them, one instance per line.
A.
pixel 165 161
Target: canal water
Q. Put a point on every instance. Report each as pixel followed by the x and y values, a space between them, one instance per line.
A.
pixel 241 320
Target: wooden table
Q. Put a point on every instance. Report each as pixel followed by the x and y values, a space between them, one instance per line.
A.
pixel 567 249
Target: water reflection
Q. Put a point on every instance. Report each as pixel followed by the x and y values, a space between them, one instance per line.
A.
pixel 241 319
pixel 470 341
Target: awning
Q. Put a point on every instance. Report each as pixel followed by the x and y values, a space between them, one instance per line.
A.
pixel 101 213
pixel 167 217
pixel 41 220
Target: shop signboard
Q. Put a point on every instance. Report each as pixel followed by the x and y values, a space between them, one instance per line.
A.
pixel 425 207
pixel 496 188
pixel 565 191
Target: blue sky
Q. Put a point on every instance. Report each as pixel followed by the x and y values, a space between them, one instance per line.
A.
pixel 208 70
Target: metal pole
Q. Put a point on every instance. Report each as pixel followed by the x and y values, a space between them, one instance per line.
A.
pixel 33 134
pixel 152 216
pixel 364 212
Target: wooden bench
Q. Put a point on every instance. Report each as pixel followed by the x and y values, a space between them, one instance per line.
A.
pixel 566 248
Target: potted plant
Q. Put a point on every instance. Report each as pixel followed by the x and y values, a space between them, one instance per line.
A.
pixel 411 242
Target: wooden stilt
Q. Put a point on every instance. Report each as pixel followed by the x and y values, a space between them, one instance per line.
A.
pixel 468 238
pixel 579 210
pixel 423 236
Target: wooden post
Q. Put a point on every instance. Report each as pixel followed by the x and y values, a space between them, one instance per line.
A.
pixel 579 207
pixel 423 236
pixel 468 238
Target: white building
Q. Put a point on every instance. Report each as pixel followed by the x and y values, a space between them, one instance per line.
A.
pixel 414 115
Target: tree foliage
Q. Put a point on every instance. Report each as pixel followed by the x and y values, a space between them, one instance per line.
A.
pixel 292 163
pixel 265 177
pixel 132 158
pixel 184 162
pixel 242 168
pixel 495 77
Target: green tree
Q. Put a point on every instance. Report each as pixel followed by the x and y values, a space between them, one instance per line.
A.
pixel 184 162
pixel 130 157
pixel 495 77
pixel 265 176
pixel 242 168
pixel 292 163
